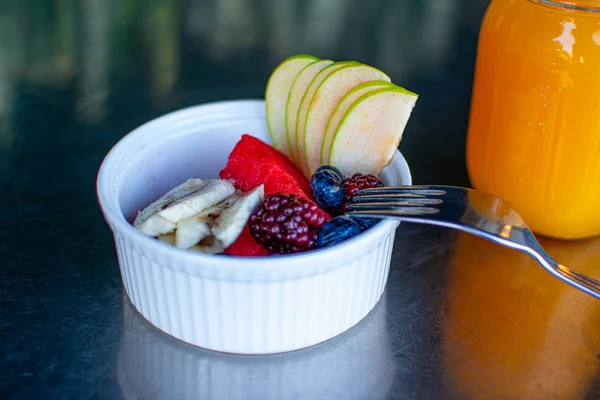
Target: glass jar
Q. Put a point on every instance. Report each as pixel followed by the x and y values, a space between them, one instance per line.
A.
pixel 534 130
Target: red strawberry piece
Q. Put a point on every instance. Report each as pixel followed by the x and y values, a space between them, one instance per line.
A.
pixel 252 163
pixel 246 246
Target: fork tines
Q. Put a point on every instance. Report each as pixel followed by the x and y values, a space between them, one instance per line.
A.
pixel 396 201
pixel 406 191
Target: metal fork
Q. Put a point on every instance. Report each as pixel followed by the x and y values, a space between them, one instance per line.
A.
pixel 467 210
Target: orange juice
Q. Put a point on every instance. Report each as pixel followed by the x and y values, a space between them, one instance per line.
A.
pixel 534 131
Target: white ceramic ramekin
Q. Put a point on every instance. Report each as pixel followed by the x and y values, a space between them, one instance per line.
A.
pixel 244 305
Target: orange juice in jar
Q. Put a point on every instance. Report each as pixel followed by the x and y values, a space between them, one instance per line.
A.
pixel 534 130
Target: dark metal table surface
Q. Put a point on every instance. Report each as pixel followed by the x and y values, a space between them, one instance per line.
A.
pixel 460 319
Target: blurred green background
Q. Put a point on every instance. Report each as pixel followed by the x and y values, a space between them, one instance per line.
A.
pixel 121 62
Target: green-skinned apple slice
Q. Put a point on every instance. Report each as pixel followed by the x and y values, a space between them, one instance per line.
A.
pixel 304 105
pixel 297 90
pixel 340 111
pixel 327 96
pixel 276 95
pixel 371 130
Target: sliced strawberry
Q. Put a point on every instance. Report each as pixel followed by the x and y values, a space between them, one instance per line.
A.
pixel 252 163
pixel 246 246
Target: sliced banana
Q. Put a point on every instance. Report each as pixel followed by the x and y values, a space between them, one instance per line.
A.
pixel 229 225
pixel 205 216
pixel 190 198
pixel 191 231
pixel 208 246
pixel 150 221
pixel 217 227
pixel 170 239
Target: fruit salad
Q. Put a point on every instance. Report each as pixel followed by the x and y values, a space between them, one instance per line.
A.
pixel 334 126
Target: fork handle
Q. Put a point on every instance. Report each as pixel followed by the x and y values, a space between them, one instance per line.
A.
pixel 582 282
pixel 529 246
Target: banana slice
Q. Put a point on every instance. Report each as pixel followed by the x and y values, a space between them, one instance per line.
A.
pixel 211 226
pixel 191 231
pixel 229 225
pixel 190 198
pixel 208 246
pixel 217 227
pixel 150 222
pixel 170 239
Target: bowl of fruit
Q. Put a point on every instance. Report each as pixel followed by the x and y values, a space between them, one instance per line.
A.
pixel 232 236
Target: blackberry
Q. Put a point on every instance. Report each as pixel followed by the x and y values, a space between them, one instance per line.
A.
pixel 326 188
pixel 354 184
pixel 285 223
pixel 351 187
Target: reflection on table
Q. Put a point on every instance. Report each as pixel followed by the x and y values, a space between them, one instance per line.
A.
pixel 514 331
pixel 356 364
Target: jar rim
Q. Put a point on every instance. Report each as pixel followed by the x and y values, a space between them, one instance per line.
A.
pixel 571 5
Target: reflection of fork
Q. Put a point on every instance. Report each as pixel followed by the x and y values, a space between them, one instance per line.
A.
pixel 469 211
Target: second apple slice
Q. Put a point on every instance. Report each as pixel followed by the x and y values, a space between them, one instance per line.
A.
pixel 327 96
pixel 305 104
pixel 299 86
pixel 371 130
pixel 340 110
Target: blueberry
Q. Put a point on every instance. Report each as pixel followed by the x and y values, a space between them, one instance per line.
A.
pixel 330 168
pixel 326 188
pixel 365 223
pixel 337 230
